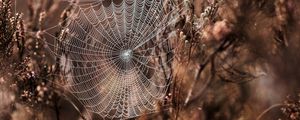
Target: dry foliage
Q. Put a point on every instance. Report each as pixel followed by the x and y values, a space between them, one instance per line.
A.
pixel 234 59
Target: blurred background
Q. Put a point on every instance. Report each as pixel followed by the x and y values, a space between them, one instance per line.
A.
pixel 234 60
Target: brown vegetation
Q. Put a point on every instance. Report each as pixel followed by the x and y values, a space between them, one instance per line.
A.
pixel 241 63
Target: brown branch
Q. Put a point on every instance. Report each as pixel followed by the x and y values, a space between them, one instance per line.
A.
pixel 223 46
pixel 268 109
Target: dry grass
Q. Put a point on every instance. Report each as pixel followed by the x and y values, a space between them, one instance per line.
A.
pixel 242 61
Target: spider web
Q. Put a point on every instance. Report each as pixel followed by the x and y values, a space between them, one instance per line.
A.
pixel 116 64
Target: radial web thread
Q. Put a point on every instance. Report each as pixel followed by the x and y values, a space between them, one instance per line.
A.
pixel 117 66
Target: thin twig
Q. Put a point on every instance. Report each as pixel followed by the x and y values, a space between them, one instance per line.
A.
pixel 224 45
pixel 268 109
pixel 76 108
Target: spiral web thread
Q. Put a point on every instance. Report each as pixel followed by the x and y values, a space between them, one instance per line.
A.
pixel 117 67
